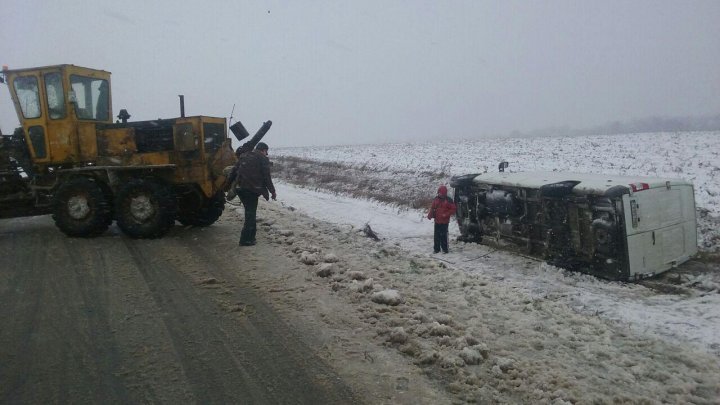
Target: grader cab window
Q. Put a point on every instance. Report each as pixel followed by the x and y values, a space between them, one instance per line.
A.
pixel 26 89
pixel 55 96
pixel 214 136
pixel 92 98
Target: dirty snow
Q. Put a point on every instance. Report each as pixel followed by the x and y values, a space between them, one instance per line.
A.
pixel 477 322
pixel 506 327
pixel 694 319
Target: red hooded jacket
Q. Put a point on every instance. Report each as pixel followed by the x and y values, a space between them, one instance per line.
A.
pixel 442 207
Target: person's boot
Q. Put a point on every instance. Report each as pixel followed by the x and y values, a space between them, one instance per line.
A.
pixel 251 235
pixel 245 238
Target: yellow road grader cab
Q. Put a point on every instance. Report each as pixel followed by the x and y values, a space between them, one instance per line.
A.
pixel 71 160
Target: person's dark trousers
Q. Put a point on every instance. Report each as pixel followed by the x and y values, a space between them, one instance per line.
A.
pixel 250 202
pixel 441 238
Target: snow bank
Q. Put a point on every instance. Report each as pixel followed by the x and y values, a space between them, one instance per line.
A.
pixel 492 327
pixel 687 319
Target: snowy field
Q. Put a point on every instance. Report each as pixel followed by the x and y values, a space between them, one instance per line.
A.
pixel 693 156
pixel 691 319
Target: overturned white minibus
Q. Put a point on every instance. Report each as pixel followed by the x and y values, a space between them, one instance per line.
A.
pixel 615 227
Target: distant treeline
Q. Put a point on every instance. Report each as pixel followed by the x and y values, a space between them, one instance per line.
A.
pixel 650 124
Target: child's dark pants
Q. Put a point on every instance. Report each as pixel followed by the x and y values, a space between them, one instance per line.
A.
pixel 441 238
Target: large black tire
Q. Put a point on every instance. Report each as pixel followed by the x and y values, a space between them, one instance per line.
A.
pixel 209 211
pixel 145 208
pixel 80 208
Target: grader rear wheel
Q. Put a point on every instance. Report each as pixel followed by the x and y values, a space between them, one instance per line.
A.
pixel 145 208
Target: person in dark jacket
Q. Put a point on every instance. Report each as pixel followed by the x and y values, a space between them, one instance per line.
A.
pixel 443 208
pixel 251 177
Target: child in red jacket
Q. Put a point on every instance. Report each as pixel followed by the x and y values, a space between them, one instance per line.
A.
pixel 442 210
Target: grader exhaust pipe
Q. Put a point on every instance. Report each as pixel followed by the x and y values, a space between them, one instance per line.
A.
pixel 241 133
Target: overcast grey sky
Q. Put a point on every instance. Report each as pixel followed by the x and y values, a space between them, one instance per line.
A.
pixel 340 72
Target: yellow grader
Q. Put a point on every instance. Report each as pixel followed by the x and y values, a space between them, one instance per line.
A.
pixel 70 159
